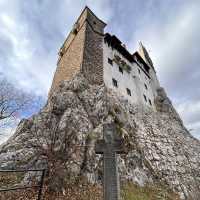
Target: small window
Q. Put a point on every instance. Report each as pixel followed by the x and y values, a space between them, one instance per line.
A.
pixel 145 98
pixel 94 23
pixel 110 61
pixel 150 102
pixel 139 71
pixel 145 86
pixel 120 70
pixel 114 82
pixel 128 91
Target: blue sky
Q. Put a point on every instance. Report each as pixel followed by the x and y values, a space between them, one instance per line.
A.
pixel 31 33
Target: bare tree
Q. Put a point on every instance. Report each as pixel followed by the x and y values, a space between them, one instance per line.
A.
pixel 13 103
pixel 11 100
pixel 59 148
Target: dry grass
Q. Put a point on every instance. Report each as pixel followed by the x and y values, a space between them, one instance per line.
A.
pixel 72 192
pixel 83 191
pixel 132 191
pixel 8 179
pixel 75 191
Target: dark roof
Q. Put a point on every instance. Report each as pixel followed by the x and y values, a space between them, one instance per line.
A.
pixel 142 61
pixel 115 43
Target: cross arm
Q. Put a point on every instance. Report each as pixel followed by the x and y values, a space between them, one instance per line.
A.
pixel 118 146
pixel 100 146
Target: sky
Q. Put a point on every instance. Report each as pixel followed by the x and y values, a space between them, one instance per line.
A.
pixel 31 33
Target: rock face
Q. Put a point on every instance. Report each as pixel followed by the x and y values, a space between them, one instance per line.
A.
pixel 65 130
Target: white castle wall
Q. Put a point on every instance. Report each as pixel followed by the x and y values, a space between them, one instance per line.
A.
pixel 134 80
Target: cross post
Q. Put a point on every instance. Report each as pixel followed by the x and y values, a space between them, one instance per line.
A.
pixel 110 146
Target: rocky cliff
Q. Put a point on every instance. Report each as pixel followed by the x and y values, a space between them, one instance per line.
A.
pixel 62 137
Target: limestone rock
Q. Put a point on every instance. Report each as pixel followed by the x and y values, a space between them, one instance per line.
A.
pixel 62 136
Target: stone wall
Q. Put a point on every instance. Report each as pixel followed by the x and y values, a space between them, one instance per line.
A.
pixel 71 54
pixel 93 55
pixel 81 51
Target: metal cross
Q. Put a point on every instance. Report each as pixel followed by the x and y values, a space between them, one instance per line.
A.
pixel 110 146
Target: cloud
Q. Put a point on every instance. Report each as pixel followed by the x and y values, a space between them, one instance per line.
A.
pixel 18 62
pixel 7 128
pixel 194 129
pixel 7 132
pixel 190 113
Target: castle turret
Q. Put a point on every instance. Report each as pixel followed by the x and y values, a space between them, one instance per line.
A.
pixel 82 51
pixel 145 56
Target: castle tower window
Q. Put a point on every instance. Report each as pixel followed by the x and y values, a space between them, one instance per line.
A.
pixel 139 71
pixel 120 70
pixel 128 91
pixel 145 98
pixel 114 82
pixel 145 86
pixel 150 102
pixel 110 61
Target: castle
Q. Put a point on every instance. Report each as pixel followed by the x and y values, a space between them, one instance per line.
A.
pixel 102 58
pixel 160 150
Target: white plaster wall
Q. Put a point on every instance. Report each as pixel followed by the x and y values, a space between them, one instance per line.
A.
pixel 134 80
pixel 155 83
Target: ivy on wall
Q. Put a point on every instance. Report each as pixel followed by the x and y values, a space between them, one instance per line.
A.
pixel 122 63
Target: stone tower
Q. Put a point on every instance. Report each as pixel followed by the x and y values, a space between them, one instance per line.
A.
pixel 82 51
